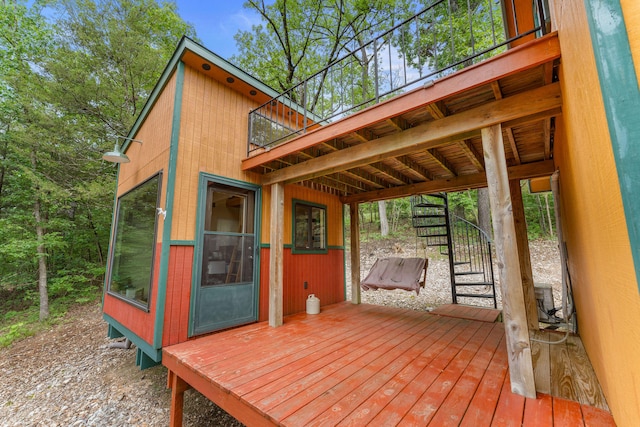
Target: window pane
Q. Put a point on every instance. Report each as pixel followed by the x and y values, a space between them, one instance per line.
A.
pixel 134 242
pixel 310 227
pixel 228 259
pixel 302 226
pixel 318 228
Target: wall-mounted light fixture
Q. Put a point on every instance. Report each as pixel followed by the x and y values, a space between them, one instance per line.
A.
pixel 117 156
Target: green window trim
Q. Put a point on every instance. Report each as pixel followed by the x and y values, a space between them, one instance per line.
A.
pixel 309 228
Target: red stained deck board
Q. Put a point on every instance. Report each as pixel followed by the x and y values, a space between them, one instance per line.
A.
pixel 482 406
pixel 385 350
pixel 538 412
pixel 595 417
pixel 447 331
pixel 451 411
pixel 368 365
pixel 296 381
pixel 566 413
pixel 425 409
pixel 467 312
pixel 510 408
pixel 349 394
pixel 403 402
pixel 253 375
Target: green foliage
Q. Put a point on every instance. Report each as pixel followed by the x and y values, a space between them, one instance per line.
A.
pixel 69 82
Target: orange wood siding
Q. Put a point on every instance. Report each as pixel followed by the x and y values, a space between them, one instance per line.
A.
pixel 213 139
pixel 152 155
pixel 176 318
pixel 631 11
pixel 324 274
pixel 526 22
pixel 600 261
pixel 335 231
pixel 135 319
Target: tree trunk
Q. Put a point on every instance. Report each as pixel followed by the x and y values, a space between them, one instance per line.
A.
pixel 41 252
pixel 484 211
pixel 384 222
pixel 546 202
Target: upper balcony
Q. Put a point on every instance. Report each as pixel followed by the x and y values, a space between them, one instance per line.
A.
pixel 434 45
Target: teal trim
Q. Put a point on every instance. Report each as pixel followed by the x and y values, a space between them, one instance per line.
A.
pixel 287 246
pixel 153 353
pixel 621 95
pixel 265 245
pixel 158 328
pixel 182 242
pixel 203 180
pixel 144 361
pixel 335 248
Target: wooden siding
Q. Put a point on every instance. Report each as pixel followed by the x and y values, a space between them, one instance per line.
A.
pixel 600 260
pixel 176 318
pixel 152 155
pixel 137 320
pixel 324 274
pixel 631 11
pixel 335 213
pixel 213 139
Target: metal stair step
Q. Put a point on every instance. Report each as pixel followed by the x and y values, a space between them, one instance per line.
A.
pixel 475 284
pixel 475 295
pixel 467 273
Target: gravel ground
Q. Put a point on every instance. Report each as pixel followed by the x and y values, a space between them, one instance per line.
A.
pixel 68 376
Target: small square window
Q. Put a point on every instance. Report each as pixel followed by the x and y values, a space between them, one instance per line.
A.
pixel 309 227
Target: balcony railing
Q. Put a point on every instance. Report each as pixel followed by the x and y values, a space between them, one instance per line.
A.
pixel 445 37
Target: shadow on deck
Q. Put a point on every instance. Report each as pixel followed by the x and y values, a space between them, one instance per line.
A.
pixel 364 365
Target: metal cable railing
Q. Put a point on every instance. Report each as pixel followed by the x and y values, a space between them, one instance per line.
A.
pixel 444 37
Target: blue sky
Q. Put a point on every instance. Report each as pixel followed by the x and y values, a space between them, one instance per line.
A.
pixel 216 22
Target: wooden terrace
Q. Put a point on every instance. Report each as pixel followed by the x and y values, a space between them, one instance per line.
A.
pixel 356 364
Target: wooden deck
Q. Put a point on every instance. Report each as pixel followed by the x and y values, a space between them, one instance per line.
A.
pixel 364 365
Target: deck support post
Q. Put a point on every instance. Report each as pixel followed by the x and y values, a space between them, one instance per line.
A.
pixel 276 254
pixel 520 223
pixel 178 386
pixel 514 314
pixel 355 253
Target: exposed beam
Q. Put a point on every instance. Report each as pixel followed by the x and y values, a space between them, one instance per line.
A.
pixel 530 55
pixel 463 182
pixel 497 92
pixel 547 138
pixel 415 167
pixel 397 123
pixel 365 177
pixel 355 252
pixel 437 110
pixel 452 128
pixel 364 135
pixel 533 118
pixel 442 161
pixel 276 255
pixel 472 154
pixel 513 308
pixel 512 143
pixel 387 171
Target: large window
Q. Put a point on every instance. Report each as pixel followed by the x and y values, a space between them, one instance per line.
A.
pixel 309 227
pixel 134 243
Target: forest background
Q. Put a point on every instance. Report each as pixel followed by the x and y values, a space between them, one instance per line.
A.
pixel 75 74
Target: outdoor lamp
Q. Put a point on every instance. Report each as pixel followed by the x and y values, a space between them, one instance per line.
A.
pixel 117 156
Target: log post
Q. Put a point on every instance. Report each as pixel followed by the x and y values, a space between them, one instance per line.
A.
pixel 513 309
pixel 355 253
pixel 276 254
pixel 523 252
